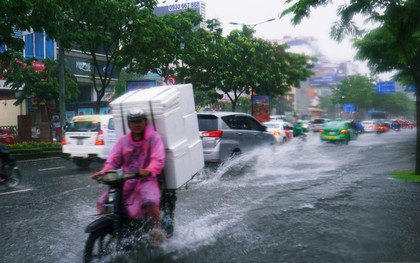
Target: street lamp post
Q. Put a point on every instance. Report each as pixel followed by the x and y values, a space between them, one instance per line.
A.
pixel 252 25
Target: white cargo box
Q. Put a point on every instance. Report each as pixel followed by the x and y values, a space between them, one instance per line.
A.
pixel 171 110
pixel 192 133
pixel 196 156
pixel 177 170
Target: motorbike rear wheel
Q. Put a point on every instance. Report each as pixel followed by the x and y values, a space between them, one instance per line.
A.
pixel 14 179
pixel 100 244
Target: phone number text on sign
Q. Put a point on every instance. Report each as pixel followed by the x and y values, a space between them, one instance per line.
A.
pixel 177 7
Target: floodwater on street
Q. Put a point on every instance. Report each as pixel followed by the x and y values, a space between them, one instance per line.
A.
pixel 299 202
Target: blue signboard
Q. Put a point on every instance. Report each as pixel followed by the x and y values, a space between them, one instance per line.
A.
pixel 140 84
pixel 350 107
pixel 385 87
pixel 410 88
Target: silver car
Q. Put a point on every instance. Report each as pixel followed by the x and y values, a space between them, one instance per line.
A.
pixel 225 134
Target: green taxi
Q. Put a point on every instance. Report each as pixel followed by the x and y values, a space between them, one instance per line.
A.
pixel 337 131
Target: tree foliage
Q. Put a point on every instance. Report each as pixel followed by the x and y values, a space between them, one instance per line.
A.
pixel 23 77
pixel 242 64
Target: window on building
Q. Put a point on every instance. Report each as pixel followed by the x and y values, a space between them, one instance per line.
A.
pixel 38 45
pixel 29 46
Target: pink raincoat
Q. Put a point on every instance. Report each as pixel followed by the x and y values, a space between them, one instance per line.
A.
pixel 132 156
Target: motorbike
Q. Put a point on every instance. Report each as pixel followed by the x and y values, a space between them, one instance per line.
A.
pixel 113 231
pixel 9 169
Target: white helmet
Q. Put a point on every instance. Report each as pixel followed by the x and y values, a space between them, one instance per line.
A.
pixel 136 114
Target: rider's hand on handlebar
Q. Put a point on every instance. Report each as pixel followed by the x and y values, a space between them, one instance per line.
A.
pixel 145 172
pixel 95 176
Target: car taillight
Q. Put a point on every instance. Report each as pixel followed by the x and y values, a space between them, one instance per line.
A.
pixel 321 131
pixel 64 141
pixel 217 134
pixel 344 131
pixel 100 138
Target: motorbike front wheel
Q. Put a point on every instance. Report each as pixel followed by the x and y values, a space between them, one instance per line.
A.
pixel 99 245
pixel 14 178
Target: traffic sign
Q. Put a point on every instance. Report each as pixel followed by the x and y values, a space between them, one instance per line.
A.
pixel 170 80
pixel 385 87
pixel 350 107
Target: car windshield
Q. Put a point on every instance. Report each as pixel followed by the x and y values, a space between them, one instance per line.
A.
pixel 334 124
pixel 84 126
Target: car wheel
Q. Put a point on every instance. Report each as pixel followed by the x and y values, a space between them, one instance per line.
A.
pixel 236 153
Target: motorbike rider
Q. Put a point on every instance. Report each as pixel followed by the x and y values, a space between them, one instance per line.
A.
pixel 142 150
pixel 4 158
pixel 298 129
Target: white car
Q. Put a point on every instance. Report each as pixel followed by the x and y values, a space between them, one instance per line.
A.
pixel 89 138
pixel 281 130
pixel 370 126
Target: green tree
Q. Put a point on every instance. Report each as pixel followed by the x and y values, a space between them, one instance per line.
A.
pixel 358 90
pixel 393 45
pixel 40 84
pixel 242 64
pixel 15 15
pixel 396 104
pixel 100 29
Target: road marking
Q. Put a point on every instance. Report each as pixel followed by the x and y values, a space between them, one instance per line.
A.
pixel 17 191
pixel 52 168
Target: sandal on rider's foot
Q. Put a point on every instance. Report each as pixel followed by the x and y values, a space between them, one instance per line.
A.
pixel 155 237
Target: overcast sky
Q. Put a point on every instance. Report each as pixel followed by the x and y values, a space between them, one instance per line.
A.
pixel 255 11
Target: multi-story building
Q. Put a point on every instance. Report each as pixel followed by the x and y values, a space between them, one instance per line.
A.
pixel 327 74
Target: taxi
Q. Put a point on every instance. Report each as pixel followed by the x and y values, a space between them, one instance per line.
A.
pixel 337 132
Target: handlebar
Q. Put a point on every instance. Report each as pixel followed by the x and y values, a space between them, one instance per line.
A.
pixel 113 176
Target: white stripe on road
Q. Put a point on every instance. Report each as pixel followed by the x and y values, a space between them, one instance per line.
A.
pixel 18 191
pixel 52 168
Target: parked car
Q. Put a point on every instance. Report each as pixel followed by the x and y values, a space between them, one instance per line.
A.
pixel 281 130
pixel 89 138
pixel 337 131
pixel 370 126
pixel 6 137
pixel 225 134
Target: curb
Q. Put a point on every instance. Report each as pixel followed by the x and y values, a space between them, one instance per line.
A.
pixel 35 156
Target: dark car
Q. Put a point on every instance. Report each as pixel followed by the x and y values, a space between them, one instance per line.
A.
pixel 6 137
pixel 225 134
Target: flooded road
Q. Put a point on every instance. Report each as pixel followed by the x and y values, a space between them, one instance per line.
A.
pixel 307 202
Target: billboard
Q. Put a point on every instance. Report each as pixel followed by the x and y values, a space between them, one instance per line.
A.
pixel 140 84
pixel 261 107
pixel 177 8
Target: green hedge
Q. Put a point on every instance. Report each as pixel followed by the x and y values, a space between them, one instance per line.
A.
pixel 35 147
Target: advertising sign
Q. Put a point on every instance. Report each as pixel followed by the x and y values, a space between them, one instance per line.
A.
pixel 140 84
pixel 176 8
pixel 261 107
